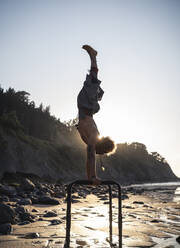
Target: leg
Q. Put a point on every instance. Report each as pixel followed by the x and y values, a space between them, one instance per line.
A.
pixel 92 54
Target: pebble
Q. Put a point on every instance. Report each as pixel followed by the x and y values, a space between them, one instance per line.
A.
pixel 50 214
pixel 155 221
pixel 56 222
pixel 81 242
pixel 32 235
pixel 123 197
pixel 40 219
pixel 138 202
pixel 35 210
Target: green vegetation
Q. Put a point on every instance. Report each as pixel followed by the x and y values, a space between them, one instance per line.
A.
pixel 17 111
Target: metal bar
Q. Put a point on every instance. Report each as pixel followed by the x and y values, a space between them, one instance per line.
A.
pixel 68 211
pixel 110 214
pixel 119 216
pixel 68 216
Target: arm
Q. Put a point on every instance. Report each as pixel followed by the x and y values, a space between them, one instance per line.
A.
pixel 91 161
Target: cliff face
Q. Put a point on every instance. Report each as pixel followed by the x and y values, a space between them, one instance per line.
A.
pixel 25 154
pixel 35 142
pixel 64 159
pixel 134 166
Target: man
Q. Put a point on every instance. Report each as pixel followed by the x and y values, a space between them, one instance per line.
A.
pixel 88 105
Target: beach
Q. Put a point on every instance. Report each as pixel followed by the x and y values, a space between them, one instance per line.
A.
pixel 150 215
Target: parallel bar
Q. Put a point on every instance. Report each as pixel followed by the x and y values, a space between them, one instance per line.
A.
pixel 119 216
pixel 68 216
pixel 68 211
pixel 110 215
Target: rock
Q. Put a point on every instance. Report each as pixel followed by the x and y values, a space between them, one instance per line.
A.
pixel 4 198
pixel 24 223
pixel 178 239
pixel 155 221
pixel 35 210
pixel 82 194
pixel 40 219
pixel 59 194
pixel 26 217
pixel 55 222
pixel 115 195
pixel 7 190
pixel 75 197
pixel 75 201
pixel 50 214
pixel 123 197
pixel 34 200
pixel 26 201
pixel 81 242
pixel 138 202
pixel 103 198
pixel 23 214
pixel 7 214
pixel 128 207
pixel 20 210
pixel 15 199
pixel 33 235
pixel 27 185
pixel 5 228
pixel 47 200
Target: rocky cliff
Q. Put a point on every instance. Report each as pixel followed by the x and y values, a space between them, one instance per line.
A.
pixel 64 160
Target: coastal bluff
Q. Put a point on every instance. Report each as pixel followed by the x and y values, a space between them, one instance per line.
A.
pixel 32 141
pixel 64 159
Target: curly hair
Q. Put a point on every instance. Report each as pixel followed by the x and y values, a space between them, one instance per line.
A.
pixel 105 145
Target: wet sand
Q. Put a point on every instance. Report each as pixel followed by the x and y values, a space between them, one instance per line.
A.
pixel 151 218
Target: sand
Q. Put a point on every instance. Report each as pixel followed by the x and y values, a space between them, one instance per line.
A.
pixel 155 222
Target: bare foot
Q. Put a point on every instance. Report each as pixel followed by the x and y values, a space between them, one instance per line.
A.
pixel 90 50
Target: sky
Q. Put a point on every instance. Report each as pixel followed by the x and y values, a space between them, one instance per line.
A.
pixel 138 45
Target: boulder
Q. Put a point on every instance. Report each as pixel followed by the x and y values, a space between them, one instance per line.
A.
pixel 27 185
pixel 7 190
pixel 4 198
pixel 7 214
pixel 47 200
pixel 26 201
pixel 20 210
pixel 33 235
pixel 178 240
pixel 5 228
pixel 26 217
pixel 24 223
pixel 56 222
pixel 50 214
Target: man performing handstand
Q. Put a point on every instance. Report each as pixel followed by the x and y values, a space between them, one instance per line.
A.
pixel 88 105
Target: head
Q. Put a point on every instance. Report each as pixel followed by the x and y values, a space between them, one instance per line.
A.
pixel 105 146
